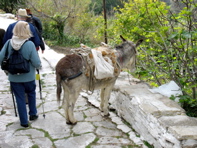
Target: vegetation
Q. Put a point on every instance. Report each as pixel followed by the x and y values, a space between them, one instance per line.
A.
pixel 10 6
pixel 97 6
pixel 54 23
pixel 73 22
pixel 169 50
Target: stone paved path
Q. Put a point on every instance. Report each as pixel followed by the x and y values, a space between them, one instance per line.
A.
pixel 91 131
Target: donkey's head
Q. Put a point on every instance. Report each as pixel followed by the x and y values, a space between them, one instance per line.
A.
pixel 127 53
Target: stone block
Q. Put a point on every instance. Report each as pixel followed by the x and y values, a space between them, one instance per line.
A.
pixel 184 132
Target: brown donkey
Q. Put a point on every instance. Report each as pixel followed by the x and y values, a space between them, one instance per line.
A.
pixel 74 72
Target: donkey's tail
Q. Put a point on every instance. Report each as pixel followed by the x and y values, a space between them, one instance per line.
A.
pixel 59 87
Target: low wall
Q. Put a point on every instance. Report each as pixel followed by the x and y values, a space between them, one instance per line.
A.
pixel 157 119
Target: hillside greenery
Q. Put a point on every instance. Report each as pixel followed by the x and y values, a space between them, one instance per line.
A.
pixel 169 51
pixel 11 6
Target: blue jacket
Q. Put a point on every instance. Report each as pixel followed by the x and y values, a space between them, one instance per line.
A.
pixel 9 33
pixel 29 52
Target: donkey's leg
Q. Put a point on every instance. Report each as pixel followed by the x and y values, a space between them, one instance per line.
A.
pixel 105 95
pixel 65 101
pixel 102 99
pixel 72 90
pixel 71 105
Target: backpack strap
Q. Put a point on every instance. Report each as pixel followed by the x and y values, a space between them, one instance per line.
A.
pixel 23 44
pixel 12 50
pixel 20 49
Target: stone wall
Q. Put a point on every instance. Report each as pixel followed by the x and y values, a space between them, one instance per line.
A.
pixel 158 120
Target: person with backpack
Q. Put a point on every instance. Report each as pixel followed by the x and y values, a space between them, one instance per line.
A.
pixel 23 83
pixel 35 21
pixel 22 16
pixel 38 25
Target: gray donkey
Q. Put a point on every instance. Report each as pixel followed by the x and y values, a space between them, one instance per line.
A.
pixel 74 72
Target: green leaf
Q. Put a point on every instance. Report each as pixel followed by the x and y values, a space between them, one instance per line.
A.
pixel 186 35
pixel 173 35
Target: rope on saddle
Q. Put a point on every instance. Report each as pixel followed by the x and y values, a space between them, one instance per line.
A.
pixel 87 65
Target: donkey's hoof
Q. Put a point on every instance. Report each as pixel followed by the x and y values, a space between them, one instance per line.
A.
pixel 70 123
pixel 105 115
pixel 112 109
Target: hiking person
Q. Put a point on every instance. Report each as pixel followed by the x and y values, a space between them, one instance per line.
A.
pixel 22 16
pixel 22 84
pixel 37 23
pixel 2 32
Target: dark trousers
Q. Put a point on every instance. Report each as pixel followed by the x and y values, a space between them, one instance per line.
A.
pixel 19 90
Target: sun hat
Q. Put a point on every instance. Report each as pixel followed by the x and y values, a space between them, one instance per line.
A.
pixel 22 12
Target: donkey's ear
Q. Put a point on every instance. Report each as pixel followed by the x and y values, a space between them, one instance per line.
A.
pixel 123 39
pixel 139 42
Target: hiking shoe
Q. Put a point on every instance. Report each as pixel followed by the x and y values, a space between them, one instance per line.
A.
pixel 25 125
pixel 33 117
